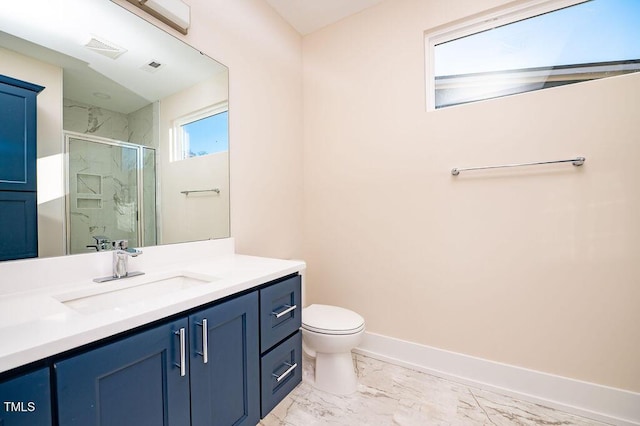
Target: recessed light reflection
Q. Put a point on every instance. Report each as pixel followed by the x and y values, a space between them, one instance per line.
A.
pixel 101 95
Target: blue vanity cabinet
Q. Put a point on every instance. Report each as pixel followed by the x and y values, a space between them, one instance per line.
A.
pixel 224 362
pixel 26 399
pixel 281 341
pixel 202 369
pixel 140 380
pixel 18 186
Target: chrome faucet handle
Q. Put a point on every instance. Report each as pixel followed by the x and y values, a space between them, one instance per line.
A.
pixel 123 245
pixel 133 252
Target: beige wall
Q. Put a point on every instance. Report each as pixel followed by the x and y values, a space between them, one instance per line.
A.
pixel 535 268
pixel 50 146
pixel 538 267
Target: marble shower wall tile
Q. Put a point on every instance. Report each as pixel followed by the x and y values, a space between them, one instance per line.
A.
pixel 136 127
pixel 91 120
pixel 392 395
pixel 141 126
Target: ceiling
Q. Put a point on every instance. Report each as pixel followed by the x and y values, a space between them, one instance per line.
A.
pixel 307 16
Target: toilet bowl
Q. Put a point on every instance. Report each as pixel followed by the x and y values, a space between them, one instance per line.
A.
pixel 329 333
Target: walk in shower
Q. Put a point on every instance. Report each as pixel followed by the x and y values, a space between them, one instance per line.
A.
pixel 111 192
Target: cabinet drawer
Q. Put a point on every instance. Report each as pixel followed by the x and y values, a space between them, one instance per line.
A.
pixel 280 312
pixel 280 371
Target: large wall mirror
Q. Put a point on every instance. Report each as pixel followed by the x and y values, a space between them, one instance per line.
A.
pixel 132 126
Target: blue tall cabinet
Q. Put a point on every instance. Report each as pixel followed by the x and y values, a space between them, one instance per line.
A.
pixel 18 206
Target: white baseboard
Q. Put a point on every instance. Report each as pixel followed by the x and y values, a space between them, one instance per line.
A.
pixel 597 402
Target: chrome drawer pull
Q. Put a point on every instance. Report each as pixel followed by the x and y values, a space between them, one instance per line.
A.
pixel 286 373
pixel 285 312
pixel 205 341
pixel 183 352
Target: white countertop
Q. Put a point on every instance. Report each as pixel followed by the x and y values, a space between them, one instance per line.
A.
pixel 36 324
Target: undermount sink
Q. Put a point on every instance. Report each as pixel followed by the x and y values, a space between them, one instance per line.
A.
pixel 117 294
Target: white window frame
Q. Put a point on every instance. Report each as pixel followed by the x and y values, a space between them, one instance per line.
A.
pixel 478 23
pixel 178 141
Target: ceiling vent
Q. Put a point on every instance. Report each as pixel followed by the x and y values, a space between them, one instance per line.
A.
pixel 152 66
pixel 104 47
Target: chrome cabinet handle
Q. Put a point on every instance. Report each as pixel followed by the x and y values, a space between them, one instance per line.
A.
pixel 183 352
pixel 286 373
pixel 205 341
pixel 285 312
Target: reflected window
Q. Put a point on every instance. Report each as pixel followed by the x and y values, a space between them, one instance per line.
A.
pixel 531 47
pixel 201 133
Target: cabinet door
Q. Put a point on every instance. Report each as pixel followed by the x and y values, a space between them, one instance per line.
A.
pixel 17 135
pixel 225 373
pixel 18 225
pixel 26 400
pixel 136 381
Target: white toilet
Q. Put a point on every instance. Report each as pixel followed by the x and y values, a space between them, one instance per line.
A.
pixel 329 333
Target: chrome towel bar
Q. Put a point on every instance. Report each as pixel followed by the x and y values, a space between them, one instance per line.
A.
pixel 578 161
pixel 216 190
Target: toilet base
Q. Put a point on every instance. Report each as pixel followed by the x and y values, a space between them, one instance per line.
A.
pixel 334 373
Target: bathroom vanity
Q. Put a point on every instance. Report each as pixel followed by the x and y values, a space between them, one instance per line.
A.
pixel 212 340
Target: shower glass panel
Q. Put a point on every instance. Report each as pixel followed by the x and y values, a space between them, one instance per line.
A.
pixel 105 178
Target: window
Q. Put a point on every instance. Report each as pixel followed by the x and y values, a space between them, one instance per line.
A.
pixel 537 45
pixel 201 133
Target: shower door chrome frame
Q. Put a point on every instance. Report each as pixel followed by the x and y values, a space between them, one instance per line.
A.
pixel 139 181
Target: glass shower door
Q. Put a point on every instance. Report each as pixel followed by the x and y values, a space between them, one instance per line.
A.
pixel 103 193
pixel 149 197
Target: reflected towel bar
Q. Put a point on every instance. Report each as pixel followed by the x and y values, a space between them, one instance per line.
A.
pixel 578 161
pixel 216 190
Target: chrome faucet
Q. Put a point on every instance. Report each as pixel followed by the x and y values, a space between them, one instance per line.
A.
pixel 121 254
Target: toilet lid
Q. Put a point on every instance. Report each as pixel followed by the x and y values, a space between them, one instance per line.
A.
pixel 331 320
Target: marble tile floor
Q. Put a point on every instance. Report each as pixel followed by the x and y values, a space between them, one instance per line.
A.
pixel 392 395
